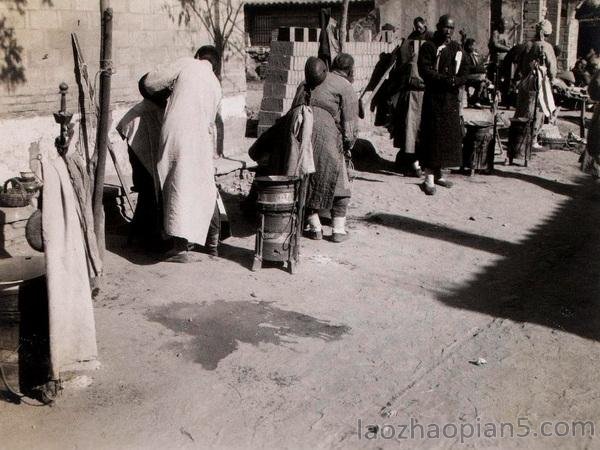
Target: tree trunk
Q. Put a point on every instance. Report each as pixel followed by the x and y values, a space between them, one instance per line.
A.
pixel 103 122
pixel 344 24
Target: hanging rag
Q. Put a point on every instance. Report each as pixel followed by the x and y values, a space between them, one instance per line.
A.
pixel 301 158
pixel 72 330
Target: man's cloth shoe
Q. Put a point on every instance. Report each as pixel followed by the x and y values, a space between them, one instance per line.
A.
pixel 315 235
pixel 338 238
pixel 429 190
pixel 444 183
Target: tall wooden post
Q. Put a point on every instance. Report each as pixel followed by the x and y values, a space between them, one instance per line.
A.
pixel 344 24
pixel 103 122
pixel 522 30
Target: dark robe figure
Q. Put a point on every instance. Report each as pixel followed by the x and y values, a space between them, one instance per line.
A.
pixel 407 114
pixel 476 78
pixel 442 69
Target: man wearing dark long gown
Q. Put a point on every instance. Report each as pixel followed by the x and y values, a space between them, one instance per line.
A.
pixel 407 116
pixel 440 65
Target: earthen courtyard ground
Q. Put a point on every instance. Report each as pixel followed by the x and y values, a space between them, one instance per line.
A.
pixel 380 330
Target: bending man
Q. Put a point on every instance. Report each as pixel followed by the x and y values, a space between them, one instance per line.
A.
pixel 187 148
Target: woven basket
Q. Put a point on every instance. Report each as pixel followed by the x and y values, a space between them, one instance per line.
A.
pixel 16 196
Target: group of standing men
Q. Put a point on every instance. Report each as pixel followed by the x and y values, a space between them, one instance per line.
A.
pixel 426 82
pixel 432 73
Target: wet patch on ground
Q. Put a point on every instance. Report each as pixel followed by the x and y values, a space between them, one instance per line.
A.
pixel 218 327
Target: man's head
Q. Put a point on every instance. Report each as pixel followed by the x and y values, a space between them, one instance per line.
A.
pixel 419 25
pixel 591 55
pixel 344 64
pixel 315 72
pixel 445 27
pixel 159 98
pixel 544 28
pixel 470 45
pixel 210 53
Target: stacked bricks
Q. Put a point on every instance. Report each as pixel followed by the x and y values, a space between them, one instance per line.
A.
pixel 286 70
pixel 12 231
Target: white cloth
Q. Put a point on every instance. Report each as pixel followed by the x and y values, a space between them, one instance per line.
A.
pixel 302 129
pixel 187 145
pixel 546 97
pixel 71 314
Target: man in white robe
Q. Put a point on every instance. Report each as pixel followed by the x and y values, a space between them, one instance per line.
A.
pixel 187 147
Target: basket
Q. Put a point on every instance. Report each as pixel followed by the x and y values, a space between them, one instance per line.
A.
pixel 16 196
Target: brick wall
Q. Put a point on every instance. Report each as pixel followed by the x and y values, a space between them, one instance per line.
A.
pixel 471 15
pixel 144 35
pixel 37 34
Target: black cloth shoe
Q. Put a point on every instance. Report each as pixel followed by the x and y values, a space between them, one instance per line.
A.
pixel 429 190
pixel 313 234
pixel 338 238
pixel 444 183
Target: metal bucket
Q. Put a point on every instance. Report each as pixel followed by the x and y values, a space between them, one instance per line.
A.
pixel 278 217
pixel 519 138
pixel 23 322
pixel 9 335
pixel 477 145
pixel 276 193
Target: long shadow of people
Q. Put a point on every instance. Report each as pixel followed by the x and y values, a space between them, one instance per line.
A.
pixel 550 278
pixel 429 230
pixel 550 185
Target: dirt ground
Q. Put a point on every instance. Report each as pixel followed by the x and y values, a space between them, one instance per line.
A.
pixel 383 330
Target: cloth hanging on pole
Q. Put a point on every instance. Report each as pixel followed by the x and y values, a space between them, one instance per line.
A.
pixel 71 316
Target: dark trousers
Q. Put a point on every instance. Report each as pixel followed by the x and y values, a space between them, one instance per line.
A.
pixel 148 217
pixel 214 230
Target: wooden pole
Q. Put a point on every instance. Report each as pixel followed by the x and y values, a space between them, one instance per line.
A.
pixel 344 24
pixel 558 22
pixel 522 30
pixel 103 123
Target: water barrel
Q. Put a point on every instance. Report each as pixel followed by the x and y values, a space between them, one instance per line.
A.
pixel 21 281
pixel 476 145
pixel 276 205
pixel 276 193
pixel 519 137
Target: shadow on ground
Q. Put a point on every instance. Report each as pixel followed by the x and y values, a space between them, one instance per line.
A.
pixel 550 278
pixel 217 328
pixel 366 159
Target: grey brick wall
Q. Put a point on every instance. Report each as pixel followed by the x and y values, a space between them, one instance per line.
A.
pixel 146 33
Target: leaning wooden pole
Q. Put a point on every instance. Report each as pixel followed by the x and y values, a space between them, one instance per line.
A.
pixel 103 122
